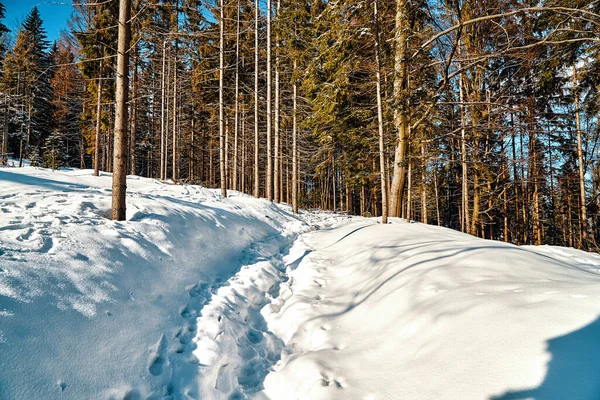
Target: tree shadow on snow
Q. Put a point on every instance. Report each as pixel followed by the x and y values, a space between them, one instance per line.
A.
pixel 40 182
pixel 573 370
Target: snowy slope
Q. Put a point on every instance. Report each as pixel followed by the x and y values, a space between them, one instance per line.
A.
pixel 199 297
pixel 91 308
pixel 408 311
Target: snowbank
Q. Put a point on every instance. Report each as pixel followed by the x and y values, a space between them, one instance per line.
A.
pixel 91 308
pixel 408 311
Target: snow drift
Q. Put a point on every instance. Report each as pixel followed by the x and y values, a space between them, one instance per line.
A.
pixel 91 308
pixel 409 311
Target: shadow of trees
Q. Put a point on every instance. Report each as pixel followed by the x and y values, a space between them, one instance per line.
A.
pixel 573 371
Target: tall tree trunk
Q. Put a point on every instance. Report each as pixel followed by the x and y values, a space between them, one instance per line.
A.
pixel 119 184
pixel 382 166
pixel 277 180
pixel 401 109
pixel 221 102
pixel 424 186
pixel 243 171
pixel 163 146
pixel 269 180
pixel 583 208
pixel 437 198
pixel 174 173
pixel 465 182
pixel 132 135
pixel 256 127
pixel 295 144
pixel 409 193
pixel 234 180
pixel 98 121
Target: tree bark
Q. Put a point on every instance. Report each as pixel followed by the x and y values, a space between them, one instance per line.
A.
pixel 269 180
pixel 119 184
pixel 221 102
pixel 277 180
pixel 583 208
pixel 162 114
pixel 234 180
pixel 132 135
pixel 401 109
pixel 382 166
pixel 256 127
pixel 98 119
pixel 295 145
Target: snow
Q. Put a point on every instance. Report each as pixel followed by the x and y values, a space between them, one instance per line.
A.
pixel 85 301
pixel 200 297
pixel 419 312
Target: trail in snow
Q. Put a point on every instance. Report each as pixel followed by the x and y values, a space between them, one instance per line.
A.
pixel 225 349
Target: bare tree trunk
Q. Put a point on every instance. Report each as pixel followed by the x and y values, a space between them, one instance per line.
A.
pixel 221 103
pixel 162 115
pixel 234 183
pixel 382 166
pixel 409 193
pixel 132 135
pixel 98 119
pixel 466 223
pixel 400 111
pixel 256 127
pixel 583 208
pixel 5 126
pixel 119 184
pixel 277 183
pixel 174 174
pixel 424 187
pixel 437 198
pixel 269 180
pixel 295 145
pixel 243 171
pixel 227 164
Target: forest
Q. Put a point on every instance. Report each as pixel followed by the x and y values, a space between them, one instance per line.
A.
pixel 480 116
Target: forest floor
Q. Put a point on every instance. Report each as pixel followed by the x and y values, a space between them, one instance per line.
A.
pixel 196 296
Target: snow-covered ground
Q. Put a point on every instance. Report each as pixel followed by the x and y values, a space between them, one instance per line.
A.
pixel 409 311
pixel 199 297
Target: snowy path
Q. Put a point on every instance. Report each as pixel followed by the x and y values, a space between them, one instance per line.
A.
pixel 225 349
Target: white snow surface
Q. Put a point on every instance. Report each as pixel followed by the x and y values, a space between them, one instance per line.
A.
pixel 200 297
pixel 96 309
pixel 409 311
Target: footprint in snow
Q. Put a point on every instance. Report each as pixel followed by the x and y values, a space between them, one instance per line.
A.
pixel 61 385
pixel 159 360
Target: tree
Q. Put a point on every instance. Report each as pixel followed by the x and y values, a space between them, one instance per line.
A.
pixel 119 185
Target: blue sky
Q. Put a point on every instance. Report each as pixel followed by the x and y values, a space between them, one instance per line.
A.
pixel 55 14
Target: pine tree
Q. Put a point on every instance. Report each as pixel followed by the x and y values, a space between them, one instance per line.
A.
pixel 26 76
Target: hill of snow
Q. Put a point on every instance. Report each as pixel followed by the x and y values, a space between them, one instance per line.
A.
pixel 409 311
pixel 200 297
pixel 91 308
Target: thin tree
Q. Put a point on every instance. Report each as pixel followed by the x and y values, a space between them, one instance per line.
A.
pixel 295 144
pixel 98 121
pixel 221 101
pixel 382 166
pixel 269 180
pixel 256 128
pixel 237 101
